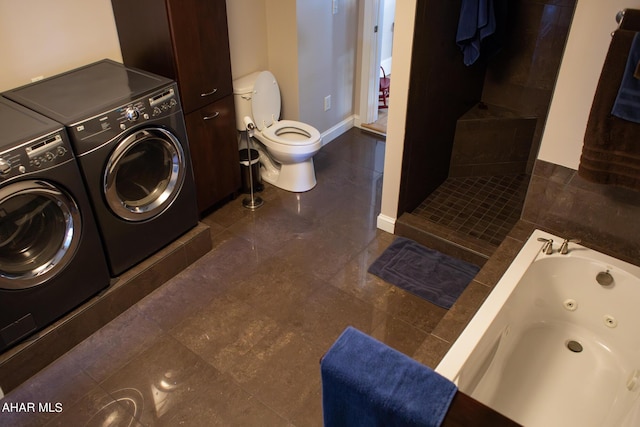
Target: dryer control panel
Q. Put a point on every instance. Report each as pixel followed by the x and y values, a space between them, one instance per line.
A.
pixel 40 154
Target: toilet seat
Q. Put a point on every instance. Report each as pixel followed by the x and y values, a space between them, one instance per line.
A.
pixel 265 101
pixel 290 132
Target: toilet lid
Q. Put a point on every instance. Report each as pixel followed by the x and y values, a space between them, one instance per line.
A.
pixel 265 102
pixel 290 132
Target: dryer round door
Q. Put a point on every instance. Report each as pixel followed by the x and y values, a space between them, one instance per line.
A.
pixel 40 227
pixel 144 174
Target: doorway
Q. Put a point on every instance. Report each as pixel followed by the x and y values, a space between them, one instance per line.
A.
pixel 377 34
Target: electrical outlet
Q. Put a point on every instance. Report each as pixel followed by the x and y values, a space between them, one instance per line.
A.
pixel 327 102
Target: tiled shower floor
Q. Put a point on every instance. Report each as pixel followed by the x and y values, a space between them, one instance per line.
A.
pixel 484 207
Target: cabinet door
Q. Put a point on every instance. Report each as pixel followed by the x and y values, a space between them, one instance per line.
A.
pixel 201 48
pixel 214 152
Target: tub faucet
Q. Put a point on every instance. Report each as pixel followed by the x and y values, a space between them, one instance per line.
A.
pixel 564 248
pixel 547 248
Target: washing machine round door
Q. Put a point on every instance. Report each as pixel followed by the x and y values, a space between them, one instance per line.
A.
pixel 40 227
pixel 144 174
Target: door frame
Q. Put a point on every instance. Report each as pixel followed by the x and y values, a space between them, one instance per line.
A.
pixel 370 61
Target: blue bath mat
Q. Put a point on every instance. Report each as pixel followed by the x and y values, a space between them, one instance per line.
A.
pixel 424 272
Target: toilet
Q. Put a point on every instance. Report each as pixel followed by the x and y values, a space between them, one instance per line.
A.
pixel 286 147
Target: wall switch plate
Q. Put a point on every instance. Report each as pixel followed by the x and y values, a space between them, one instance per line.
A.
pixel 327 102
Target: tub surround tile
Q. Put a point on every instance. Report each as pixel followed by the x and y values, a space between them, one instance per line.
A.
pixel 493 270
pixel 604 217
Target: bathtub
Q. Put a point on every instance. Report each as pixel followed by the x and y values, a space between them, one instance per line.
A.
pixel 550 346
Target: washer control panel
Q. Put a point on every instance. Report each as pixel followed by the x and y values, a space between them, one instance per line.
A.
pixel 143 109
pixel 93 132
pixel 40 154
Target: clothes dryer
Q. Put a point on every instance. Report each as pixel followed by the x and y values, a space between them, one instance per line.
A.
pixel 51 257
pixel 127 129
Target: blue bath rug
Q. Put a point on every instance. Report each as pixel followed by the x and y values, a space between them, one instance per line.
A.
pixel 427 273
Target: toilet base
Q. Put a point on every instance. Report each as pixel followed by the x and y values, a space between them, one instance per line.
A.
pixel 296 177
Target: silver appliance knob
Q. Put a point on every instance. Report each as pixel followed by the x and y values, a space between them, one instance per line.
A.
pixel 132 114
pixel 5 166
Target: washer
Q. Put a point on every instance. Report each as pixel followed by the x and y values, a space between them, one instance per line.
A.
pixel 127 129
pixel 51 257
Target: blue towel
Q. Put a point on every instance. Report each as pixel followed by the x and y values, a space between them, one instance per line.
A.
pixel 477 22
pixel 627 103
pixel 366 383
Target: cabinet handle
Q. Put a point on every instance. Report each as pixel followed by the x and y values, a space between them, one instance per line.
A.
pixel 209 93
pixel 216 114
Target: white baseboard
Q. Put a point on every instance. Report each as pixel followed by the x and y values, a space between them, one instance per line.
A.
pixel 337 130
pixel 386 223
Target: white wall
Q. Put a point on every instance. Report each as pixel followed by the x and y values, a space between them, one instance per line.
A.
pixel 282 40
pixel 247 21
pixel 589 39
pixel 44 37
pixel 326 61
pixel 402 46
pixel 311 51
pixel 587 45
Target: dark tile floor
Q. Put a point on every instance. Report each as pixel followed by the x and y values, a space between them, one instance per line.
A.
pixel 236 338
pixel 483 207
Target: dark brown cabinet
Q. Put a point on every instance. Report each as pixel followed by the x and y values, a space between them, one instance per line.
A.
pixel 214 123
pixel 187 40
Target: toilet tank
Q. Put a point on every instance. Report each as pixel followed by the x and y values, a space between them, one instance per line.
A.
pixel 242 93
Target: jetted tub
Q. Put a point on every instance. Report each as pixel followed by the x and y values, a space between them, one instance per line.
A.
pixel 550 346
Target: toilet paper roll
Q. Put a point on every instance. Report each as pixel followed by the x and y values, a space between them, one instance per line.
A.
pixel 248 124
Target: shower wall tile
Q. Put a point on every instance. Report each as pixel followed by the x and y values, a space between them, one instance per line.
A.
pixel 604 217
pixel 495 141
pixel 523 74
